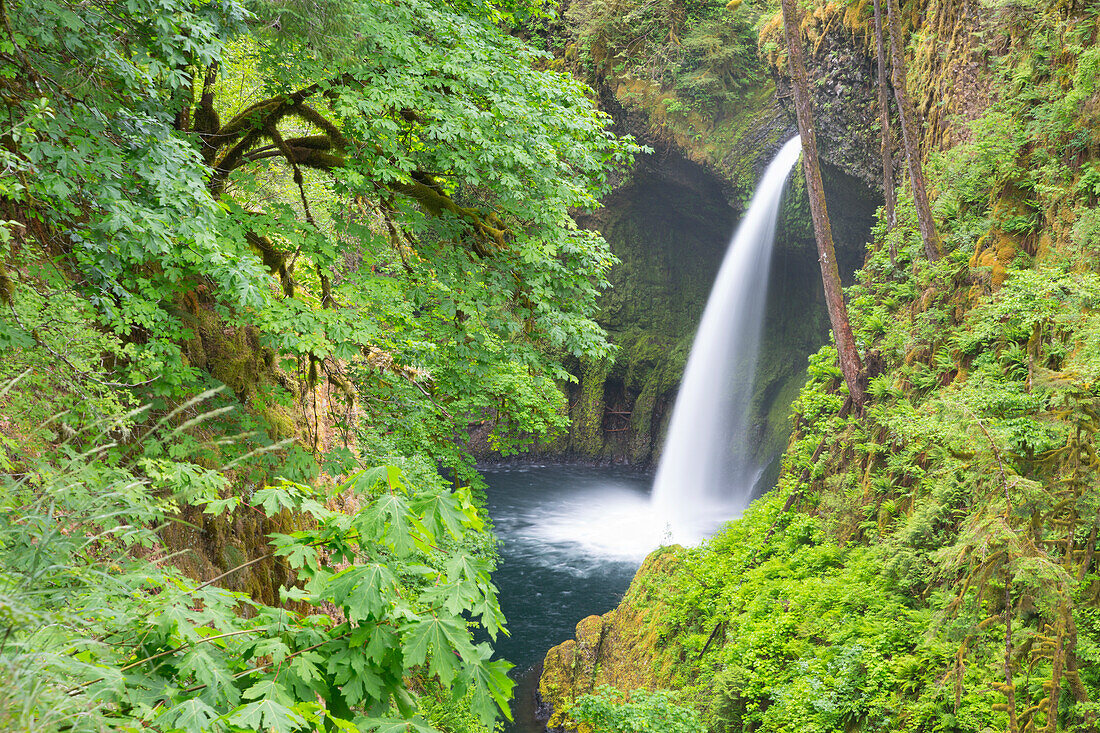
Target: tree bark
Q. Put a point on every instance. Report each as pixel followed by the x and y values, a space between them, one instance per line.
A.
pixel 907 117
pixel 1073 677
pixel 1057 664
pixel 887 130
pixel 850 364
pixel 1010 686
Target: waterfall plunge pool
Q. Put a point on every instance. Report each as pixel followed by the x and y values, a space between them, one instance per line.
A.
pixel 571 538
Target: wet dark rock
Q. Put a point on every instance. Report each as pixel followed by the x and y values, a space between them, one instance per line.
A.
pixel 842 87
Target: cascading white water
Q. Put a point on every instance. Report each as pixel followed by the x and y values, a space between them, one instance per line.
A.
pixel 706 473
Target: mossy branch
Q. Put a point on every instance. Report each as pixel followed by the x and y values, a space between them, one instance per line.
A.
pixel 491 233
pixel 256 121
pixel 260 121
pixel 274 260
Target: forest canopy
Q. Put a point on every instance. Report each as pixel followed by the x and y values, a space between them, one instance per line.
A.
pixel 402 171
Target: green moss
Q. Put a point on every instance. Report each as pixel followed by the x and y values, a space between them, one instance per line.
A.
pixel 280 421
pixel 587 413
pixel 622 648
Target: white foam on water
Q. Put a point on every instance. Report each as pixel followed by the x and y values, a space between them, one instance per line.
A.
pixel 606 523
pixel 579 523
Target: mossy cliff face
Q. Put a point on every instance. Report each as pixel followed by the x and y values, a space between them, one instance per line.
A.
pixel 949 88
pixel 234 547
pixel 711 113
pixel 680 75
pixel 670 225
pixel 842 87
pixel 615 649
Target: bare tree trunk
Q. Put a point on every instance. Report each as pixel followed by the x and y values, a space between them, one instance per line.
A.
pixel 850 364
pixel 887 130
pixel 1058 662
pixel 907 117
pixel 1009 686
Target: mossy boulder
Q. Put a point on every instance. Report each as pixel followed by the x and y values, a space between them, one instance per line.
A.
pixel 621 649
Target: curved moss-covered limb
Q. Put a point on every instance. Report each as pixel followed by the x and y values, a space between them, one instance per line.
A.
pixel 260 113
pixel 206 121
pixel 490 232
pixel 274 260
pixel 247 131
pixel 255 123
pixel 312 151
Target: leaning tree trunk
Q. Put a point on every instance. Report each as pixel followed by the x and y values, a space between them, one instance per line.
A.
pixel 887 131
pixel 850 364
pixel 907 117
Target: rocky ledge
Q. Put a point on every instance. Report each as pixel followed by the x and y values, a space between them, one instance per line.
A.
pixel 620 649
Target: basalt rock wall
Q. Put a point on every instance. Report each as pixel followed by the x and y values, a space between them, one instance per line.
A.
pixel 670 226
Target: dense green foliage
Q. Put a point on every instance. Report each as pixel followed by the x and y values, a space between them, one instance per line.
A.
pixel 101 632
pixel 401 168
pixel 607 712
pixel 701 51
pixel 348 227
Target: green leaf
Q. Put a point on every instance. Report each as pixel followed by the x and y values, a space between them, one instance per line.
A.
pixel 382 642
pixel 365 481
pixel 441 512
pixel 266 715
pixel 487 685
pixel 212 672
pixel 398 523
pixel 364 592
pixel 267 689
pixel 189 716
pixel 220 506
pixel 396 725
pixel 444 639
pixel 298 551
pixel 275 499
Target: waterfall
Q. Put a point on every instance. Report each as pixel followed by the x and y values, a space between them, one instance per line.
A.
pixel 707 472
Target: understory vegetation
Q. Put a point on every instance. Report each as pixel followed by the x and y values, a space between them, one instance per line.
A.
pixel 103 632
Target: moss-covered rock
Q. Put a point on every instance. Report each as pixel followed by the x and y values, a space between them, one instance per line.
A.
pixel 620 648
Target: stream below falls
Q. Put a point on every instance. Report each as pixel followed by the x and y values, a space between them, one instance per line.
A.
pixel 571 538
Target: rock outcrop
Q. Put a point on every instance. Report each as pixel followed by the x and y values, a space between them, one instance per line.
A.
pixel 618 649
